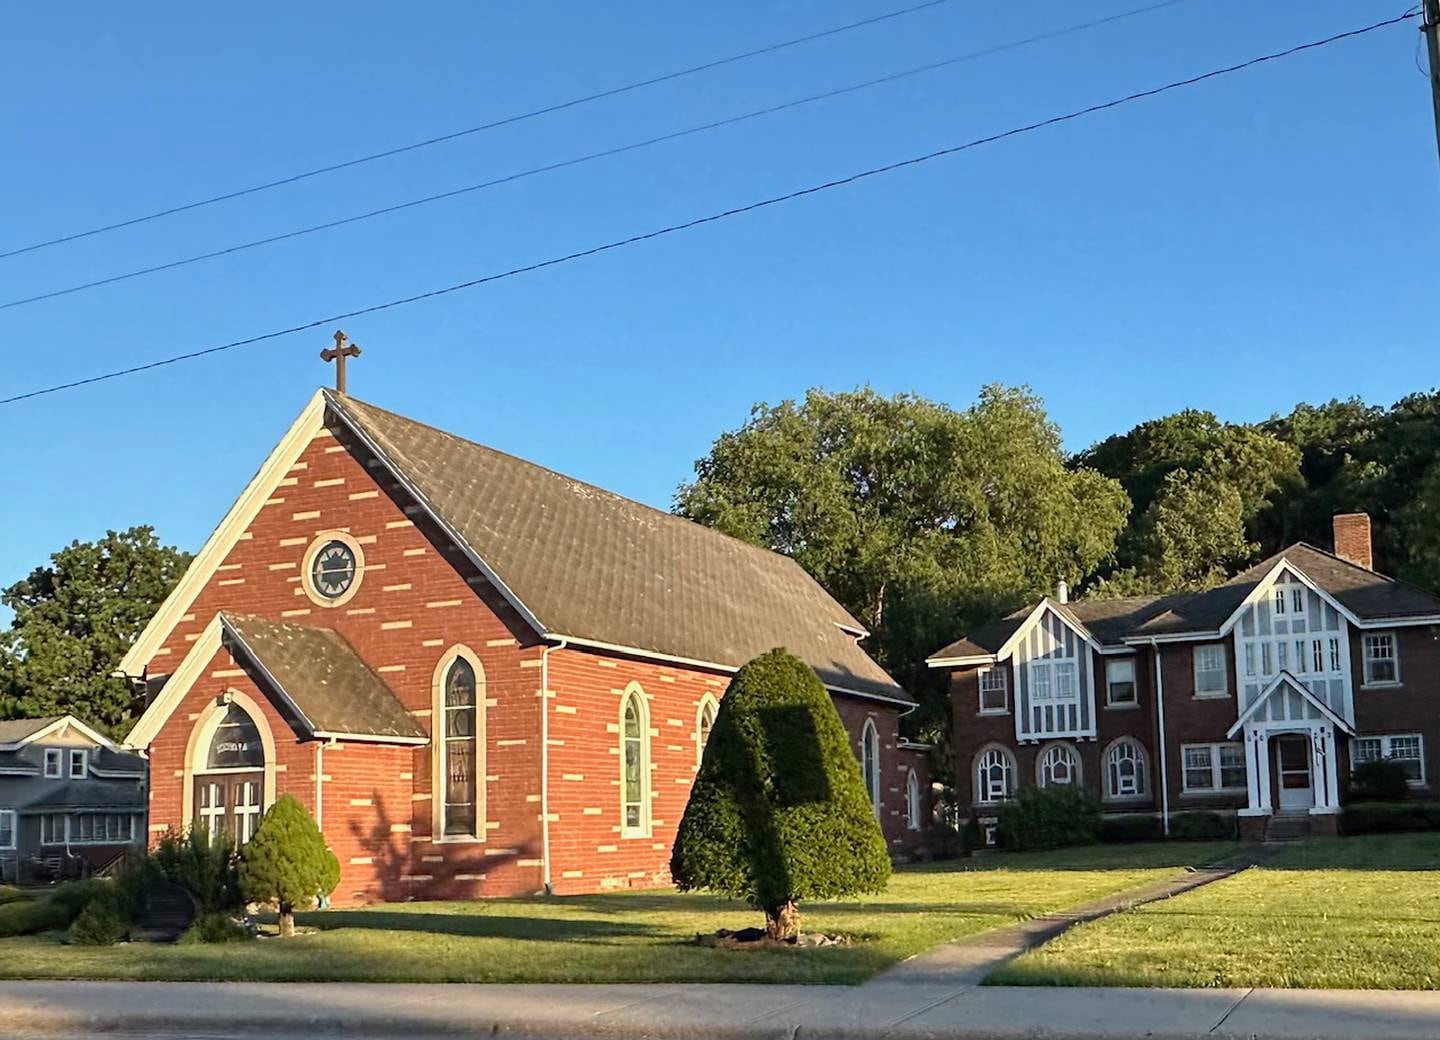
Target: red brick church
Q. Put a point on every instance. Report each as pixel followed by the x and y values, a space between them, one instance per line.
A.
pixel 482 677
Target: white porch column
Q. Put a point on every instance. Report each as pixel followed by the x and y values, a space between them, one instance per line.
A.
pixel 1262 771
pixel 1325 745
pixel 1257 771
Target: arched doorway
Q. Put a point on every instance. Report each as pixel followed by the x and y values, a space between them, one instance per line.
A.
pixel 229 782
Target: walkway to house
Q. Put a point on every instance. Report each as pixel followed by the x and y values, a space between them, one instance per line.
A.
pixel 966 962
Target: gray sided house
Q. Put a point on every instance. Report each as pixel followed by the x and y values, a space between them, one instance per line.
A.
pixel 71 800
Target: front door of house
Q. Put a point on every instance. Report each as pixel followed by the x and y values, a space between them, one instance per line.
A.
pixel 1292 753
pixel 229 804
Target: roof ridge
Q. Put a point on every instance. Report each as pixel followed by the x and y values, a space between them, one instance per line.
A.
pixel 673 518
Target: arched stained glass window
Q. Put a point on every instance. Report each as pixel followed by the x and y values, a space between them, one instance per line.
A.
pixel 235 743
pixel 634 784
pixel 704 723
pixel 870 763
pixel 1125 769
pixel 994 775
pixel 1059 766
pixel 459 735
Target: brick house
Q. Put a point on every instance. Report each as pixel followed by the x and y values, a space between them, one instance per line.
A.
pixel 482 677
pixel 1254 697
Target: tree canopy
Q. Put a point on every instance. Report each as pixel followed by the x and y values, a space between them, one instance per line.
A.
pixel 74 618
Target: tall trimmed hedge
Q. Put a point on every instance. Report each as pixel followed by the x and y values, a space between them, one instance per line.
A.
pixel 779 812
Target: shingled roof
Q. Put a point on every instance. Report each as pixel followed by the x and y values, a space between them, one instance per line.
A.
pixel 1366 594
pixel 587 564
pixel 319 673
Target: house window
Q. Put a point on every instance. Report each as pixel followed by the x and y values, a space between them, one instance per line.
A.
pixel 634 767
pixel 459 741
pixel 52 829
pixel 994 775
pixel 1120 681
pixel 1124 770
pixel 1067 680
pixel 1334 654
pixel 704 723
pixel 1042 680
pixel 994 691
pixel 1406 750
pixel 1054 679
pixel 1210 680
pixel 1249 658
pixel 1317 655
pixel 7 828
pixel 1279 601
pixel 79 759
pixel 102 829
pixel 1297 600
pixel 52 763
pixel 870 763
pixel 912 801
pixel 1382 665
pixel 1213 767
pixel 1059 766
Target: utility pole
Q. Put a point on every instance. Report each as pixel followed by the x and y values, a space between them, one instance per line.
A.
pixel 1430 26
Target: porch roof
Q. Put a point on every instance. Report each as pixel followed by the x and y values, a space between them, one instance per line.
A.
pixel 1285 680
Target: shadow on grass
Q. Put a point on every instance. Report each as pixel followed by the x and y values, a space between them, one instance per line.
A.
pixel 491 926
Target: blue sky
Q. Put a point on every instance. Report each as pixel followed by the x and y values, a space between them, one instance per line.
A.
pixel 1255 241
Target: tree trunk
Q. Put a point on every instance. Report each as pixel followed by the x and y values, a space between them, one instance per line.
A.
pixel 782 923
pixel 287 921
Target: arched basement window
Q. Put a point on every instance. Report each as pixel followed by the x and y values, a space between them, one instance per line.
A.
pixel 458 739
pixel 634 759
pixel 870 762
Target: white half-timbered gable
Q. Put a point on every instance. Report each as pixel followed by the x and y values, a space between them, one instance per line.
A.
pixel 1289 627
pixel 1052 668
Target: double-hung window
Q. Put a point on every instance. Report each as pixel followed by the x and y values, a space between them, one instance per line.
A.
pixel 1210 677
pixel 1213 767
pixel 53 762
pixel 1042 680
pixel 1406 750
pixel 994 691
pixel 1382 660
pixel 1120 681
pixel 52 829
pixel 79 760
pixel 7 829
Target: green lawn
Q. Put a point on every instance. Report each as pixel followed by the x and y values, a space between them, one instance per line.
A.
pixel 634 936
pixel 1338 912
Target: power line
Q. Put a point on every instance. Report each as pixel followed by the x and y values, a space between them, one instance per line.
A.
pixel 724 214
pixel 591 157
pixel 494 124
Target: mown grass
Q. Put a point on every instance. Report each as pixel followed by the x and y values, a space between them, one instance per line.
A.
pixel 1328 913
pixel 633 936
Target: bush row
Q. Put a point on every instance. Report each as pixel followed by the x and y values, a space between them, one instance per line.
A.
pixel 1389 817
pixel 1051 817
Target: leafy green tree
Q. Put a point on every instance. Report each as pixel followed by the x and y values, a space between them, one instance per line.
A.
pixel 75 618
pixel 919 518
pixel 287 862
pixel 779 812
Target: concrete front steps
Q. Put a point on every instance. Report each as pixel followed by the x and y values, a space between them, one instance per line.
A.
pixel 1288 826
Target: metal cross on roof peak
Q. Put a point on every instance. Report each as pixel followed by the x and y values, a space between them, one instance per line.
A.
pixel 338 354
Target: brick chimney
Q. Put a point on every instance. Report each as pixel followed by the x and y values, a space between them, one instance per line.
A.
pixel 1352 539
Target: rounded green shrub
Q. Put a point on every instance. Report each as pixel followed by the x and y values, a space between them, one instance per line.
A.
pixel 287 862
pixel 779 812
pixel 1048 817
pixel 101 923
pixel 215 928
pixel 1131 827
pixel 29 916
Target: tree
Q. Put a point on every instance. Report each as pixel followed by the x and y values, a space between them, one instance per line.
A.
pixel 779 812
pixel 74 620
pixel 287 862
pixel 919 519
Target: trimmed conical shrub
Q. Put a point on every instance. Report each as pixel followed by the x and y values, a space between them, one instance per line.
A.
pixel 287 862
pixel 779 812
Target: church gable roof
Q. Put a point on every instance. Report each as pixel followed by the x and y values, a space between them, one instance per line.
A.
pixel 586 564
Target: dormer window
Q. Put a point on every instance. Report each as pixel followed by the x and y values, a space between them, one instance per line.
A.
pixel 79 764
pixel 52 763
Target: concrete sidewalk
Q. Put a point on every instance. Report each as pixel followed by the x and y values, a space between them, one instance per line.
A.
pixel 903 1010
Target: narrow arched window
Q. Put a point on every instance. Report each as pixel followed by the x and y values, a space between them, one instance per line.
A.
pixel 634 783
pixel 1125 769
pixel 912 801
pixel 704 723
pixel 458 741
pixel 1059 766
pixel 870 762
pixel 994 775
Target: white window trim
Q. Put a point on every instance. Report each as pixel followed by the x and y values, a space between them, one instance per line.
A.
pixel 1134 701
pixel 912 800
pixel 1077 764
pixel 307 567
pixel 982 796
pixel 1053 664
pixel 1195 672
pixel 438 764
pixel 128 839
pixel 1003 673
pixel 70 763
pixel 1366 683
pixel 1142 766
pixel 14 819
pixel 870 752
pixel 707 701
pixel 1215 770
pixel 633 693
pixel 1385 743
pixel 54 754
